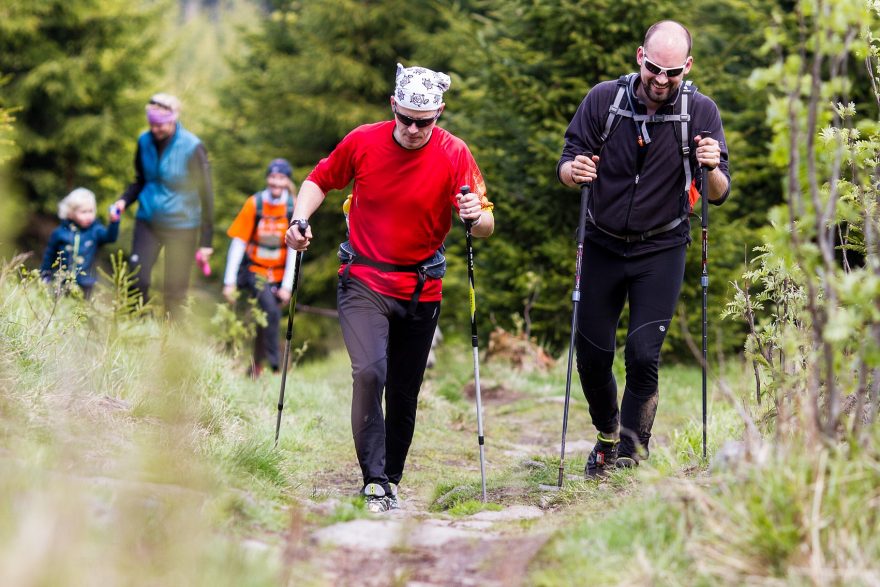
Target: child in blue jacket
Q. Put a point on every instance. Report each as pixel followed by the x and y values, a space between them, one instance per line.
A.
pixel 73 246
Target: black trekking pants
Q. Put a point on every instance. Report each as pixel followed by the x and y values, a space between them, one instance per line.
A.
pixel 389 350
pixel 180 248
pixel 652 284
pixel 266 339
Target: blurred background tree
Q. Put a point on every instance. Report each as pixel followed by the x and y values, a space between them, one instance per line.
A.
pixel 76 72
pixel 266 78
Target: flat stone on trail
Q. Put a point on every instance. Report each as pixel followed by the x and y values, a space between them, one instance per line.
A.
pixel 474 524
pixel 515 512
pixel 366 534
pixel 386 534
pixel 434 533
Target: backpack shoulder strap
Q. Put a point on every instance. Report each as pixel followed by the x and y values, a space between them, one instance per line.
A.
pixel 688 89
pixel 259 206
pixel 615 110
pixel 258 214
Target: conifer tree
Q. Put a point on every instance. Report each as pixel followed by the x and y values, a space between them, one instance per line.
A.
pixel 75 72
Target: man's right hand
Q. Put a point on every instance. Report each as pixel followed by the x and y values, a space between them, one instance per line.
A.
pixel 295 239
pixel 582 169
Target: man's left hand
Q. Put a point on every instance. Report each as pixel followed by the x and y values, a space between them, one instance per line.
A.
pixel 708 152
pixel 283 295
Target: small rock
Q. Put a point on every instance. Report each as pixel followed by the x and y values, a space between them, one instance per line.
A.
pixel 516 512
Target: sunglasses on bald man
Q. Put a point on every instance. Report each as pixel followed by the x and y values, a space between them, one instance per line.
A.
pixel 657 70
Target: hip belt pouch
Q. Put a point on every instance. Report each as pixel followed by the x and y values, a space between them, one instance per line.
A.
pixel 433 267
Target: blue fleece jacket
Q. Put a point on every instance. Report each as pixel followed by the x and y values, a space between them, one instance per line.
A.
pixel 73 248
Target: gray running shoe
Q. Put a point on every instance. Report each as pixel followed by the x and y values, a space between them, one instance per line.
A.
pixel 376 500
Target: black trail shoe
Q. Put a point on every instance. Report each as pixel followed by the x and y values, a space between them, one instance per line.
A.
pixel 626 462
pixel 393 500
pixel 603 457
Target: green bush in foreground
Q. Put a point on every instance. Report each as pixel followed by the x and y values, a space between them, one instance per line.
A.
pixel 104 421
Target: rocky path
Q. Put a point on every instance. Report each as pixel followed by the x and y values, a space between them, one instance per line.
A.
pixel 415 547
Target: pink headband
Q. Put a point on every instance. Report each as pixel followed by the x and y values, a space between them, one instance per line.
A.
pixel 157 115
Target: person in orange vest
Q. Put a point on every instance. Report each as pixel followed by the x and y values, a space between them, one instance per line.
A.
pixel 258 261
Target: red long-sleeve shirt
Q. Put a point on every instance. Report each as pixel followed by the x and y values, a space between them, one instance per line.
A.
pixel 403 199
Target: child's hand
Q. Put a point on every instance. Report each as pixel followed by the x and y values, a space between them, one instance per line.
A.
pixel 116 210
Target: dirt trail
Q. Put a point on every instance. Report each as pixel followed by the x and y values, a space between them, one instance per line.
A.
pixel 415 549
pixel 418 548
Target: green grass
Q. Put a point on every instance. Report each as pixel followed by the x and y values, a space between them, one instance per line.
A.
pixel 141 454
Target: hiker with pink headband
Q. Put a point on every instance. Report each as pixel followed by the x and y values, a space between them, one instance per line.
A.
pixel 175 201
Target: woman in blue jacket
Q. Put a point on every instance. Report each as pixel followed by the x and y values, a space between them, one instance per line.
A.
pixel 175 201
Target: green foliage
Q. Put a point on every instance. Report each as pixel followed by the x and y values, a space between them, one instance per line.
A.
pixel 619 553
pixel 236 329
pixel 522 81
pixel 76 71
pixel 259 459
pixel 300 78
pixel 7 117
pixel 792 516
pixel 809 296
pixel 531 65
pixel 347 510
pixel 125 300
pixel 459 498
pixel 96 413
pixel 138 452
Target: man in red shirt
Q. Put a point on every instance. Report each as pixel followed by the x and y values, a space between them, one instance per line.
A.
pixel 407 177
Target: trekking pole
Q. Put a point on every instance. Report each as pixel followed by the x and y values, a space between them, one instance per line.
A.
pixel 704 281
pixel 470 264
pixel 575 300
pixel 303 225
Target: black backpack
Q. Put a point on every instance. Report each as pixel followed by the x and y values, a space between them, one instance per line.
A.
pixel 681 117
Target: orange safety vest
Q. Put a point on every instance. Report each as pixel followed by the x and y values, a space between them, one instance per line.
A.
pixel 266 251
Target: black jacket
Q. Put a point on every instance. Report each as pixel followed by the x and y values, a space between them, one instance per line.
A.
pixel 636 192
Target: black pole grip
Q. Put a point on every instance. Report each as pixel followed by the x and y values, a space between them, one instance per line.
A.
pixel 302 224
pixel 466 189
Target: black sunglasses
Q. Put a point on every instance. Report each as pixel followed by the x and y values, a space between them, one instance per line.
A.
pixel 160 104
pixel 657 70
pixel 419 122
